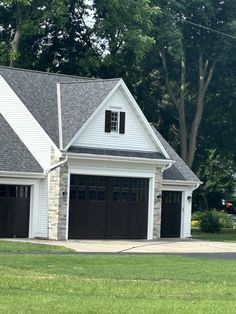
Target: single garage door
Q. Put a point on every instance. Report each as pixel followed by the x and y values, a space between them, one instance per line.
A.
pixel 108 207
pixel 14 211
pixel 171 214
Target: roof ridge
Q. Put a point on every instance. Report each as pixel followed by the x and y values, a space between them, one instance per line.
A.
pixel 90 80
pixel 43 72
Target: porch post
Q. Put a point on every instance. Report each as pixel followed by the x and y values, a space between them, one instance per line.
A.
pixel 57 201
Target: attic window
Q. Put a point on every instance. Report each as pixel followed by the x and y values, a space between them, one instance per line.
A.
pixel 114 121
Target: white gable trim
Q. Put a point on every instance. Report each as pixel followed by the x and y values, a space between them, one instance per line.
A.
pixel 25 125
pixel 136 107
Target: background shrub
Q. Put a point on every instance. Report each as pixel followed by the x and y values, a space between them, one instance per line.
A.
pixel 210 222
pixel 225 220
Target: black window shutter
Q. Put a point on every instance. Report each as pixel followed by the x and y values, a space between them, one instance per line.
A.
pixel 108 121
pixel 122 123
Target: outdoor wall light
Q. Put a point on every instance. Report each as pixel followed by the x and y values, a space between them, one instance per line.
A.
pixel 159 196
pixel 189 198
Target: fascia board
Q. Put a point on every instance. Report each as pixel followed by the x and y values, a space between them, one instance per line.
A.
pixel 93 115
pixel 11 174
pixel 155 162
pixel 181 182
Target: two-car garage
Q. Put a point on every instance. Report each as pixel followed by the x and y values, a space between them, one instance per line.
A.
pixel 100 207
pixel 103 207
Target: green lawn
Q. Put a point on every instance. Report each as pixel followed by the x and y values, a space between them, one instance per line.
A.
pixel 228 235
pixel 52 280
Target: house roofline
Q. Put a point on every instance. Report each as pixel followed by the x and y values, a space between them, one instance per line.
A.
pixel 161 162
pixel 13 174
pixel 182 182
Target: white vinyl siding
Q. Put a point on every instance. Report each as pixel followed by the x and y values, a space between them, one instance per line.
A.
pixel 135 137
pixel 24 125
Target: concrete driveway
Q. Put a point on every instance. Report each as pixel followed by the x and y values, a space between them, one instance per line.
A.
pixel 168 246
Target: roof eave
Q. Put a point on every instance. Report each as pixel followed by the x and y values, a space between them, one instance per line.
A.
pixel 182 182
pixel 15 174
pixel 161 162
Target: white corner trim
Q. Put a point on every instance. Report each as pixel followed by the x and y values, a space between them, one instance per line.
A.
pixel 93 114
pixel 59 115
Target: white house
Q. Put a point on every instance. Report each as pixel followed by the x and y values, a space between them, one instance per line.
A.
pixel 79 160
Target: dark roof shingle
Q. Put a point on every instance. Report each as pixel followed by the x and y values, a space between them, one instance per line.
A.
pixel 116 152
pixel 179 170
pixel 14 155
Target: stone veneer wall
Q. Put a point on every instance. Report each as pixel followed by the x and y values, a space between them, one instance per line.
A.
pixel 157 205
pixel 57 201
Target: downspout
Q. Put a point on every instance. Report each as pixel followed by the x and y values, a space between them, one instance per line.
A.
pixel 169 165
pixel 58 164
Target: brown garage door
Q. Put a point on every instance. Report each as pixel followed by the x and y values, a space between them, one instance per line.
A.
pixel 14 211
pixel 108 208
pixel 171 214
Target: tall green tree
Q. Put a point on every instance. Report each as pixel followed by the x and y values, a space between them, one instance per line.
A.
pixel 22 20
pixel 189 57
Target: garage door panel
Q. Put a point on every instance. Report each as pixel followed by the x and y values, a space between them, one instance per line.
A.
pixel 3 217
pixel 14 211
pixel 138 215
pixel 78 220
pixel 171 214
pixel 110 203
pixel 118 221
pixel 96 220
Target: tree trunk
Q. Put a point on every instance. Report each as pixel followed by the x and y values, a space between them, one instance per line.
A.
pixel 181 111
pixel 205 201
pixel 15 48
pixel 204 80
pixel 15 44
pixel 188 144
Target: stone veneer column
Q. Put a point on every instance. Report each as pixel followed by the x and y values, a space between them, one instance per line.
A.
pixel 157 205
pixel 57 201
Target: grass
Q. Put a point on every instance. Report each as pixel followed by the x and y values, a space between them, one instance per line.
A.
pixel 226 235
pixel 56 281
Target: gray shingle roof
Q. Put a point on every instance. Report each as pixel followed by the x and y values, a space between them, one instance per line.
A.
pixel 14 156
pixel 78 102
pixel 38 92
pixel 113 152
pixel 179 170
